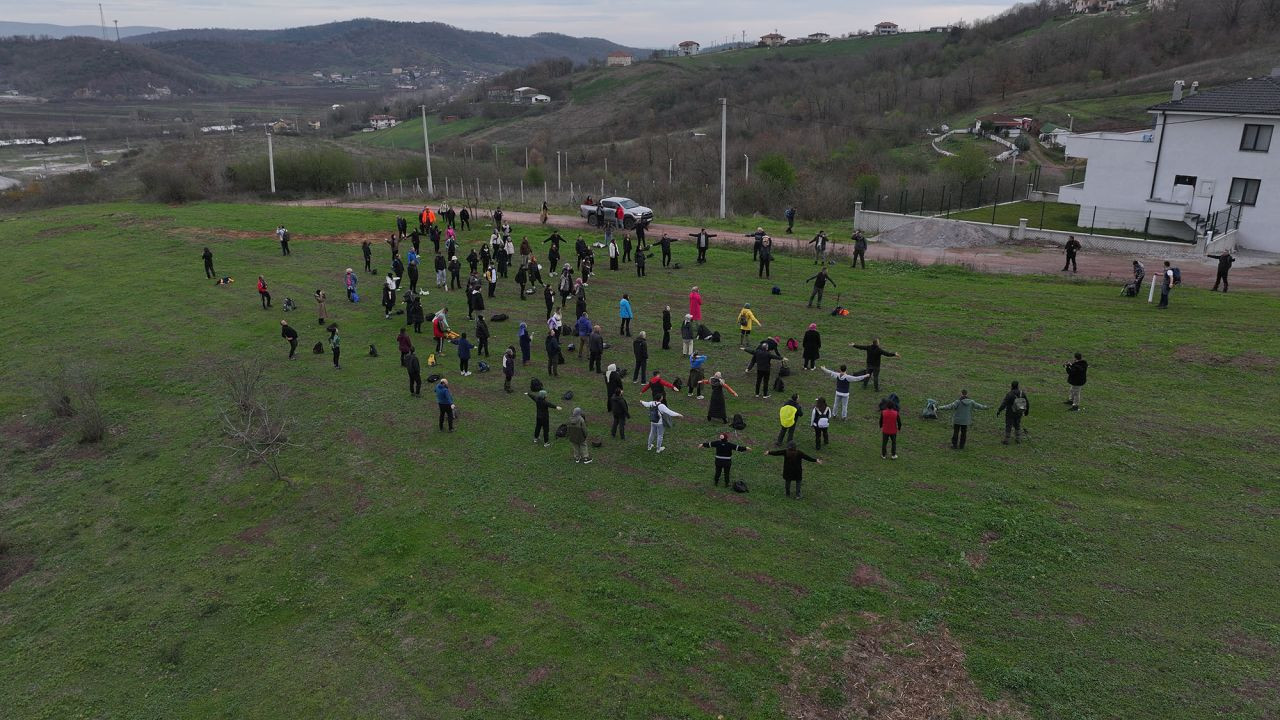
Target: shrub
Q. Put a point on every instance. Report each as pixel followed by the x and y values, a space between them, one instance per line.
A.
pixel 778 171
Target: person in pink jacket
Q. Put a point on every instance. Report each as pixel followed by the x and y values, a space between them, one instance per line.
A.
pixel 695 304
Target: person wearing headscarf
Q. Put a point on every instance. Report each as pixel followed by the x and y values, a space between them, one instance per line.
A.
pixel 612 383
pixel 508 367
pixel 526 343
pixel 792 470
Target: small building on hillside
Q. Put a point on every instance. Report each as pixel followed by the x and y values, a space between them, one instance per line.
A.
pixel 773 39
pixel 540 99
pixel 819 37
pixel 382 122
pixel 1204 166
pixel 618 58
pixel 523 94
pixel 498 94
pixel 688 47
pixel 1007 124
pixel 887 28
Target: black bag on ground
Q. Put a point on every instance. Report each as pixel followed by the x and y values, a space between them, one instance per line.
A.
pixel 715 336
pixel 776 290
pixel 784 370
pixel 740 486
pixel 318 348
pixel 562 430
pixel 738 423
pixel 373 351
pixel 433 378
pixel 567 396
pixel 482 366
pixel 704 332
pixel 597 442
pixel 778 385
pixel 498 317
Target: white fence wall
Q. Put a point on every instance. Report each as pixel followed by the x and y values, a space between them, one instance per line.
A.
pixel 875 222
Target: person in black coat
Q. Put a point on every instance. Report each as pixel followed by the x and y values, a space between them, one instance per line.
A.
pixel 464 216
pixel 1015 405
pixel 664 242
pixel 207 256
pixel 702 239
pixel 874 354
pixel 819 285
pixel 595 350
pixel 792 470
pixel 416 316
pixel 640 349
pixel 414 366
pixel 766 256
pixel 758 235
pixel 1072 247
pixel 482 337
pixel 549 298
pixel 1225 261
pixel 291 335
pixel 542 416
pixel 666 328
pixel 762 360
pixel 620 412
pixel 366 249
pixel 508 367
pixel 1077 375
pixel 640 259
pixel 811 343
pixel 725 449
pixel 554 358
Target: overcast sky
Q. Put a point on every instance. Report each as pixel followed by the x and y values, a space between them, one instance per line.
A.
pixel 639 23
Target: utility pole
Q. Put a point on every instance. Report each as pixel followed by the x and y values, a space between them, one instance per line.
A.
pixel 746 175
pixel 117 24
pixel 558 186
pixel 271 163
pixel 426 150
pixel 102 19
pixel 85 146
pixel 724 144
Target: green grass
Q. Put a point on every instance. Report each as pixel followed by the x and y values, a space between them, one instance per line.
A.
pixel 1130 550
pixel 605 82
pixel 833 49
pixel 408 134
pixel 1055 216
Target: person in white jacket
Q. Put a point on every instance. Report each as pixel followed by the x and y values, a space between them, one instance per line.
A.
pixel 658 414
pixel 613 254
pixel 843 381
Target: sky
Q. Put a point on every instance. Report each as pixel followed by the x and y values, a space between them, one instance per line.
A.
pixel 646 23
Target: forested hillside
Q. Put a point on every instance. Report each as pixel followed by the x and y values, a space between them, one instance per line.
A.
pixel 367 43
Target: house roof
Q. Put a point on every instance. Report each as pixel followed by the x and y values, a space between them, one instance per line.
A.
pixel 771 35
pixel 1254 96
pixel 619 54
pixel 886 23
pixel 687 43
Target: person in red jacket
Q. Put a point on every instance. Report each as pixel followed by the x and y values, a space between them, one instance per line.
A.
pixel 263 294
pixel 659 386
pixel 620 215
pixel 405 345
pixel 890 424
pixel 695 304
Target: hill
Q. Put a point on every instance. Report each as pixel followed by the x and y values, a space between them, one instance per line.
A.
pixel 19 29
pixel 91 68
pixel 367 44
pixel 1120 563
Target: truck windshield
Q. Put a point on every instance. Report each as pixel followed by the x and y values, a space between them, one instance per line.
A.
pixel 628 204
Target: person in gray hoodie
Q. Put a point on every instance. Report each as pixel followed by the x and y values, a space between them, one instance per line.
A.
pixel 578 436
pixel 961 418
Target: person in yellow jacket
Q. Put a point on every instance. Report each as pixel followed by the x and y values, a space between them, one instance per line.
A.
pixel 746 319
pixel 787 415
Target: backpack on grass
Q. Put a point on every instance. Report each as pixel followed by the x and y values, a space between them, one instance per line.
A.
pixel 930 411
pixel 738 423
pixel 740 486
pixel 562 430
pixel 784 370
pixel 318 349
pixel 778 385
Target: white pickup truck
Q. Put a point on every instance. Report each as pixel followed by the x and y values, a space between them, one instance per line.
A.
pixel 606 211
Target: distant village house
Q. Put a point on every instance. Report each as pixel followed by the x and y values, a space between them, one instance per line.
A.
pixel 382 122
pixel 618 58
pixel 773 39
pixel 688 47
pixel 887 28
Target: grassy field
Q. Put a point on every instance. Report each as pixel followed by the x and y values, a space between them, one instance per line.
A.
pixel 1047 216
pixel 1120 564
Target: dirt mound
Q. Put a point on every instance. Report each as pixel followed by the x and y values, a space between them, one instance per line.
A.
pixel 870 667
pixel 927 232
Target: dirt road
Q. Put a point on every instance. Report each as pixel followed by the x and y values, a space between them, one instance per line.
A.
pixel 1253 272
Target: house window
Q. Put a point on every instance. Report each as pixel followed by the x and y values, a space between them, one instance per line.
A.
pixel 1256 138
pixel 1244 191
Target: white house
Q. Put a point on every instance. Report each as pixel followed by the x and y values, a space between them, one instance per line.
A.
pixel 773 39
pixel 886 28
pixel 618 58
pixel 819 37
pixel 1206 163
pixel 382 122
pixel 688 47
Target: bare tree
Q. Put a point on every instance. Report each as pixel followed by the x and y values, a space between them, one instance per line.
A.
pixel 255 424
